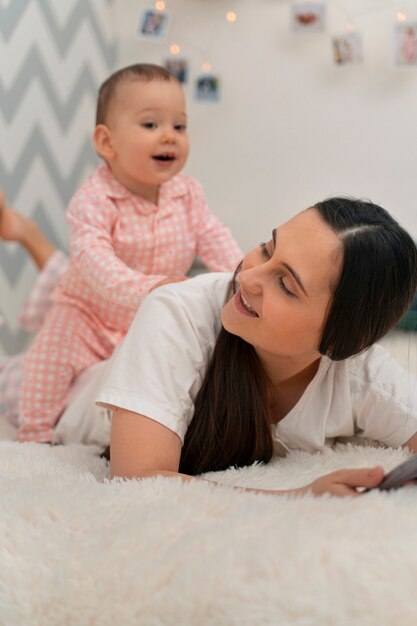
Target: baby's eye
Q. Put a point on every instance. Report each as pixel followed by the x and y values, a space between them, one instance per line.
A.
pixel 150 125
pixel 180 127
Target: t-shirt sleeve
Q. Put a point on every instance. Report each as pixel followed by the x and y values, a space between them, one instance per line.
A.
pixel 384 397
pixel 158 368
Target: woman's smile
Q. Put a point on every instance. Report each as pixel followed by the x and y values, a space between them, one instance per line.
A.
pixel 243 306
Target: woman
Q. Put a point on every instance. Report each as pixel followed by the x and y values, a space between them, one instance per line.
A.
pixel 288 361
pixel 230 405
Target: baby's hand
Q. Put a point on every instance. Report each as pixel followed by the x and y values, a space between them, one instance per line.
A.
pixel 13 226
pixel 170 279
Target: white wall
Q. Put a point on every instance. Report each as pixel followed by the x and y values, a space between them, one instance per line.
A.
pixel 292 127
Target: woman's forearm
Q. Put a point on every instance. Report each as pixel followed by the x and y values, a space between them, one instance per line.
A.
pixel 344 482
pixel 187 477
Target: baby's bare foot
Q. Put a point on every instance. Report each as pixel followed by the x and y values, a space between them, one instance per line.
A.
pixel 13 225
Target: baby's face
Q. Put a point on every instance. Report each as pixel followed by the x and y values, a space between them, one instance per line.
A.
pixel 148 132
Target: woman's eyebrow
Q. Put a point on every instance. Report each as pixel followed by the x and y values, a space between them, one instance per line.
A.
pixel 288 267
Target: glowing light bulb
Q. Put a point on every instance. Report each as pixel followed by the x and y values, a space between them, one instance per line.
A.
pixel 160 5
pixel 174 48
pixel 231 16
pixel 401 17
pixel 206 67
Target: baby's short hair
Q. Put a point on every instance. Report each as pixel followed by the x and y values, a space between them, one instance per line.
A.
pixel 138 71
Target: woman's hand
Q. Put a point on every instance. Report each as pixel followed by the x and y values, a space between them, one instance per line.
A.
pixel 345 482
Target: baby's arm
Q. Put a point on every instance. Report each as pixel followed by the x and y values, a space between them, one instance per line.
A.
pixel 91 222
pixel 216 246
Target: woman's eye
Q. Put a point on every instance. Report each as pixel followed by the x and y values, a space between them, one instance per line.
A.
pixel 281 283
pixel 264 249
pixel 285 290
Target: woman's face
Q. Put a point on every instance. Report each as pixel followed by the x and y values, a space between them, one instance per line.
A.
pixel 284 289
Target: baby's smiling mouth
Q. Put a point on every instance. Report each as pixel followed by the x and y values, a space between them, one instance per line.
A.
pixel 165 157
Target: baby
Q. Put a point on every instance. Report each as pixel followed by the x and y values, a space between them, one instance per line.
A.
pixel 136 224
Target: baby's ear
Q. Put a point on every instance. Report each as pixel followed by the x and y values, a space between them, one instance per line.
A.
pixel 102 142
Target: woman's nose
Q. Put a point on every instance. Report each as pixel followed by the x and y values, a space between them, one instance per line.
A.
pixel 251 280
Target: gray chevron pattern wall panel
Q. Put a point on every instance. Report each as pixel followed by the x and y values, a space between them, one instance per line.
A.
pixel 53 56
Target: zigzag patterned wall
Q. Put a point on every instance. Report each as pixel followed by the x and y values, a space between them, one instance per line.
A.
pixel 53 56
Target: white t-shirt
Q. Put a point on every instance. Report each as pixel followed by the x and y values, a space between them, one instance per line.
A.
pixel 158 369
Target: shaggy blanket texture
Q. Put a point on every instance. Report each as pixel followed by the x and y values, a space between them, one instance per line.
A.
pixel 77 549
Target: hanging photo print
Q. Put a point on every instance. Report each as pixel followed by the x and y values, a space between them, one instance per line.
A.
pixel 347 48
pixel 178 68
pixel 153 24
pixel 405 44
pixel 207 88
pixel 308 16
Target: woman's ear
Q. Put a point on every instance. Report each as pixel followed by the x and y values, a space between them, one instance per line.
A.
pixel 102 142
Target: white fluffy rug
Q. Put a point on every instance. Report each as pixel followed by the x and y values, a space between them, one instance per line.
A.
pixel 78 550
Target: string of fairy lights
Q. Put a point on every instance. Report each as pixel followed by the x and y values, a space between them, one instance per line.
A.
pixel 154 15
pixel 306 16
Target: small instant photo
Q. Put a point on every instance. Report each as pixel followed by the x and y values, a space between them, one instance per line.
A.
pixel 207 88
pixel 347 48
pixel 153 24
pixel 405 44
pixel 178 68
pixel 308 16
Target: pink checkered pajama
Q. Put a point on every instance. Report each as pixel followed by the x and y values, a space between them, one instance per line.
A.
pixel 121 247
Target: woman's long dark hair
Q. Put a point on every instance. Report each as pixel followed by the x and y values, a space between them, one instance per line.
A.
pixel 378 279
